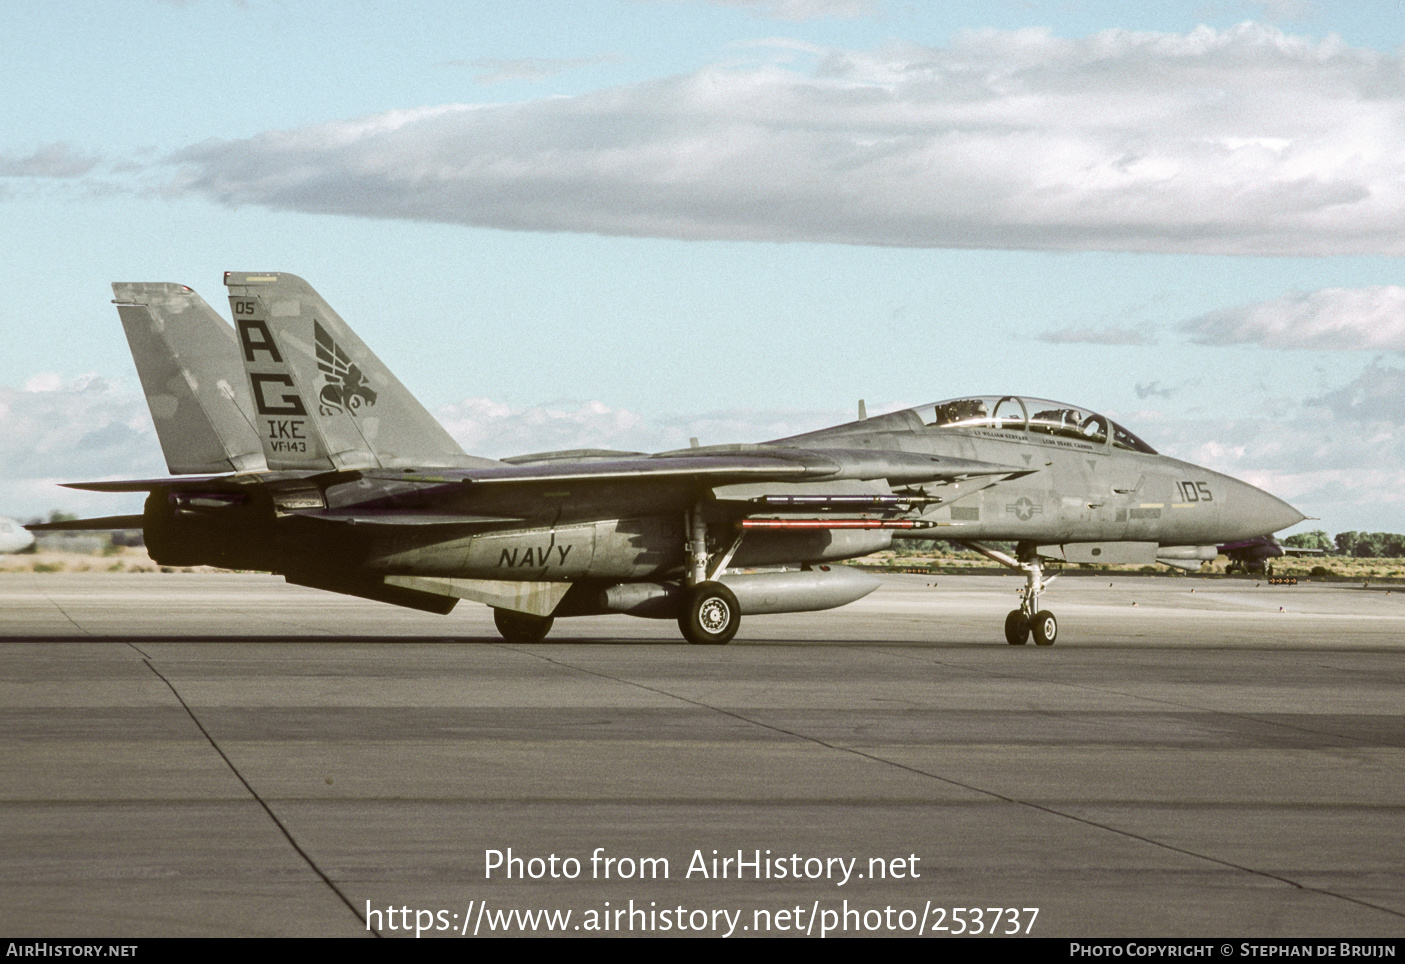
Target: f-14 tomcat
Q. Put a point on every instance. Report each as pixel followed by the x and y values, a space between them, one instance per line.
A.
pixel 296 451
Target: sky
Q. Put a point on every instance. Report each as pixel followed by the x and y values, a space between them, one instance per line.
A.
pixel 623 223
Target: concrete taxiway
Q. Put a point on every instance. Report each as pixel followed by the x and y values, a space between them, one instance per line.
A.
pixel 226 755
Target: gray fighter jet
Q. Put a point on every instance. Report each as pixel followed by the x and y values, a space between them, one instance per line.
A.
pixel 301 454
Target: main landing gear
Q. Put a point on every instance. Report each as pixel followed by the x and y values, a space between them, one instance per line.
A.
pixel 710 615
pixel 522 627
pixel 1029 619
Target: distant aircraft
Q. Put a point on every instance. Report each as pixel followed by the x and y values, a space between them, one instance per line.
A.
pixel 13 536
pixel 1257 555
pixel 305 456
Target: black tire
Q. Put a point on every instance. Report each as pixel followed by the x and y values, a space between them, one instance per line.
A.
pixel 522 627
pixel 1046 628
pixel 1016 628
pixel 711 616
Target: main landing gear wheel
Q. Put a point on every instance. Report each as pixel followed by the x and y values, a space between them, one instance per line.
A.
pixel 522 627
pixel 1016 628
pixel 711 615
pixel 1046 628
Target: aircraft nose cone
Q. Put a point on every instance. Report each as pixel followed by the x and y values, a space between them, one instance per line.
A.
pixel 1261 514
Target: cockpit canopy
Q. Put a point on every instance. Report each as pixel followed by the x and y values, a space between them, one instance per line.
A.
pixel 1015 414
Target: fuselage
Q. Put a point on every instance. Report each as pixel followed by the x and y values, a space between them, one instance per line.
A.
pixel 1083 481
pixel 1070 482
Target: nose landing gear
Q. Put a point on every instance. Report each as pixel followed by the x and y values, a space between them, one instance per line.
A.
pixel 1046 628
pixel 1016 628
pixel 1029 619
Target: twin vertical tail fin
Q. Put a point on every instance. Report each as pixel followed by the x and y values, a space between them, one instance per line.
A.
pixel 188 361
pixel 321 398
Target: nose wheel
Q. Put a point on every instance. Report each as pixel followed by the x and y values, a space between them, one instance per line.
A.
pixel 1029 619
pixel 1019 627
pixel 1045 628
pixel 1016 628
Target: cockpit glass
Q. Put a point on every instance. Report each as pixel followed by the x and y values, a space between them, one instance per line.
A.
pixel 992 411
pixel 959 411
pixel 1035 415
pixel 1010 412
pixel 1124 439
pixel 1066 421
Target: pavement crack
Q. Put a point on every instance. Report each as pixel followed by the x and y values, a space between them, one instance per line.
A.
pixel 984 791
pixel 1127 833
pixel 287 834
pixel 64 612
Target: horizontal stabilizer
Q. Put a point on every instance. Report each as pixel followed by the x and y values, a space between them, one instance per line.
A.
pixel 90 525
pixel 148 485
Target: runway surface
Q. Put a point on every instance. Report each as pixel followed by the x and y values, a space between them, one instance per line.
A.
pixel 227 755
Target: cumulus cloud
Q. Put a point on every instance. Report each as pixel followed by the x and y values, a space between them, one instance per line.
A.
pixel 1097 336
pixel 1340 458
pixel 1377 394
pixel 57 430
pixel 1332 318
pixel 57 160
pixel 74 427
pixel 1241 141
